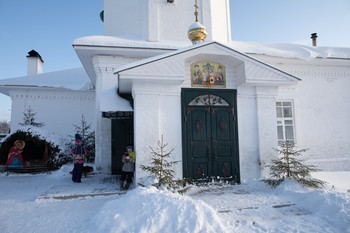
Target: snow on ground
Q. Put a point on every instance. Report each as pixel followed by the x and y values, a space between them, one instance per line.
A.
pixel 53 203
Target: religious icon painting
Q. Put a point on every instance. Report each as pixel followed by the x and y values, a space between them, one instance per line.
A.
pixel 208 74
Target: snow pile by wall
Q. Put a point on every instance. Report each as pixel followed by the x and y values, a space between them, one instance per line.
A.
pixel 150 210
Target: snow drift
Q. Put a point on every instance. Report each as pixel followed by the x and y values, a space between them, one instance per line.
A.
pixel 151 210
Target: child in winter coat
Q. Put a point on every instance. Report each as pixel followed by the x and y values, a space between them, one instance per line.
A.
pixel 79 154
pixel 128 168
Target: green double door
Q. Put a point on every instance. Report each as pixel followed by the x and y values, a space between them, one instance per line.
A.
pixel 210 134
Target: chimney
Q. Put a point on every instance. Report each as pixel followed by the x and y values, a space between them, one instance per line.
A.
pixel 34 63
pixel 313 37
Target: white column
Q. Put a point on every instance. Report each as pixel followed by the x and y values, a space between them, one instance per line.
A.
pixel 103 126
pixel 267 126
pixel 248 133
pixel 146 126
pixel 170 126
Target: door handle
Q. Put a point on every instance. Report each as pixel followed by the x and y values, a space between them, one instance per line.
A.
pixel 215 154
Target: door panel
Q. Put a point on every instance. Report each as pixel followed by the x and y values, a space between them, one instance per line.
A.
pixel 210 135
pixel 198 129
pixel 222 141
pixel 210 142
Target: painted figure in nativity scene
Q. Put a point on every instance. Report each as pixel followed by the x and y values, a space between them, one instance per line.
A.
pixel 15 159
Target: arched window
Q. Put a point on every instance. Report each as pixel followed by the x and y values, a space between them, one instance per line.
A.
pixel 208 100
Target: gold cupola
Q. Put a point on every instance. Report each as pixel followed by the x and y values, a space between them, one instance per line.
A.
pixel 197 32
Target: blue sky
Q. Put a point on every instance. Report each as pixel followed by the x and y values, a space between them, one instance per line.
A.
pixel 291 21
pixel 50 27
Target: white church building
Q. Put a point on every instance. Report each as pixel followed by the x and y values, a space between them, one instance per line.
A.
pixel 222 105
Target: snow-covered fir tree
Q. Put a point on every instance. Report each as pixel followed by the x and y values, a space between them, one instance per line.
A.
pixel 160 168
pixel 288 166
pixel 88 136
pixel 29 118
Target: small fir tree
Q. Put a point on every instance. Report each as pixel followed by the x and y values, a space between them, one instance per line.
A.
pixel 88 136
pixel 289 167
pixel 29 118
pixel 160 168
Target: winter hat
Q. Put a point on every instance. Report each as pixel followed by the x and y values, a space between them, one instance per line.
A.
pixel 77 137
pixel 129 147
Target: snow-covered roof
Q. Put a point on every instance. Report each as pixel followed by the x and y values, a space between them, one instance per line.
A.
pixel 278 50
pixel 71 79
pixel 77 79
pixel 88 47
pixel 127 42
pixel 127 46
pixel 290 50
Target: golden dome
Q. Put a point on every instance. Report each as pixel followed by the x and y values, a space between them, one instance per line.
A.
pixel 197 33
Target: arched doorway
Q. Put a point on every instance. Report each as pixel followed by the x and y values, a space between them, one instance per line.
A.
pixel 210 135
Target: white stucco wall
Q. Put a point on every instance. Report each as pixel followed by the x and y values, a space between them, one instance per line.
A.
pixel 157 113
pixel 57 109
pixel 155 20
pixel 322 109
pixel 247 133
pixel 323 117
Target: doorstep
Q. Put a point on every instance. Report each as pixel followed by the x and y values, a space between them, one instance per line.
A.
pixel 91 186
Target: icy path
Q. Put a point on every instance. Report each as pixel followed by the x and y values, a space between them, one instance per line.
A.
pixel 289 208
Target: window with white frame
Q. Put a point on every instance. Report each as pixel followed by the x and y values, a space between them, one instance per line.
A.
pixel 285 121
